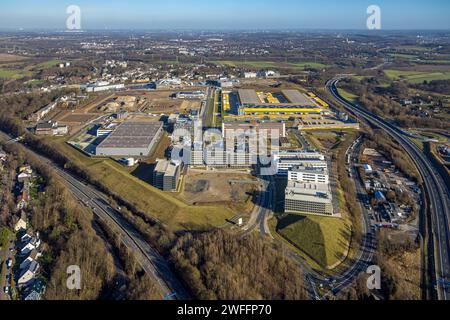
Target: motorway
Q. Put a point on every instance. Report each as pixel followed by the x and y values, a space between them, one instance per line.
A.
pixel 149 259
pixel 435 188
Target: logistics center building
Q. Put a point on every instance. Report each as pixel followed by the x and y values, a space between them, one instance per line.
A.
pixel 131 139
pixel 287 102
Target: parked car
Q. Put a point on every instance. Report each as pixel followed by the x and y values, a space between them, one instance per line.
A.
pixel 6 290
pixel 9 263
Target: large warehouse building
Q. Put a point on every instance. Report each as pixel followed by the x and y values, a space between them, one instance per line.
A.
pixel 287 102
pixel 131 139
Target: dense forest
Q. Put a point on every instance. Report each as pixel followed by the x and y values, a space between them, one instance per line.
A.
pixel 217 265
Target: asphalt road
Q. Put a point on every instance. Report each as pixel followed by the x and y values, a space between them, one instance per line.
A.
pixel 263 209
pixel 435 188
pixel 149 259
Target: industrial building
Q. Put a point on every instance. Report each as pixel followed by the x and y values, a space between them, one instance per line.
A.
pixel 102 86
pixel 190 95
pixel 308 198
pixel 51 129
pixel 265 127
pixel 288 102
pixel 166 175
pixel 131 139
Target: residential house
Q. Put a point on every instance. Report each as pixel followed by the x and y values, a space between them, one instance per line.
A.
pixel 33 256
pixel 21 224
pixel 28 274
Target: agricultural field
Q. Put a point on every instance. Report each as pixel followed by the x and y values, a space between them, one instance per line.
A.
pixel 17 71
pixel 270 64
pixel 417 76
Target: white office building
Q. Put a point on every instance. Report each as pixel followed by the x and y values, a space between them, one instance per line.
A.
pixel 309 175
pixel 308 198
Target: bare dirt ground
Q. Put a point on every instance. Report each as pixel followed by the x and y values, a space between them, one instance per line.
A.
pixel 234 189
pixel 95 103
pixel 69 118
pixel 4 57
pixel 161 102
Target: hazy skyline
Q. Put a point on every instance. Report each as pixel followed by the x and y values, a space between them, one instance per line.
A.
pixel 232 14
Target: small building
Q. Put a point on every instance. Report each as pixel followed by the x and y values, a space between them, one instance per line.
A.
pixel 33 256
pixel 166 175
pixel 379 196
pixel 367 169
pixel 28 274
pixel 51 129
pixel 21 224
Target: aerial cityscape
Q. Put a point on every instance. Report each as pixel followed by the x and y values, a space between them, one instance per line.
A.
pixel 188 151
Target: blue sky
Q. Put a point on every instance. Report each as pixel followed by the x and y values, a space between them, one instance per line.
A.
pixel 230 14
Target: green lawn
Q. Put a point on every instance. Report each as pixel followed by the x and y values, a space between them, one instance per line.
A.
pixel 47 64
pixel 13 73
pixel 325 240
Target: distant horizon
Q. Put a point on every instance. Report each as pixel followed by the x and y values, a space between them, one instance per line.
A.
pixel 225 15
pixel 230 30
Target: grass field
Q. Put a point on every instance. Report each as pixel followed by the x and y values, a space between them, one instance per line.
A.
pixel 174 213
pixel 13 73
pixel 348 95
pixel 416 77
pixel 47 64
pixel 270 64
pixel 325 240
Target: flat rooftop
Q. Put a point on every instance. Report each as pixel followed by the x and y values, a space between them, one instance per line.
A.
pixel 315 192
pixel 248 96
pixel 311 170
pixel 296 97
pixel 132 135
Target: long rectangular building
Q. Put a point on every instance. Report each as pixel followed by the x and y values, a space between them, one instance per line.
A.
pixel 131 139
pixel 264 127
pixel 287 160
pixel 308 175
pixel 308 198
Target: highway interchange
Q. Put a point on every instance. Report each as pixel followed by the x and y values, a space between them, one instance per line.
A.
pixel 434 183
